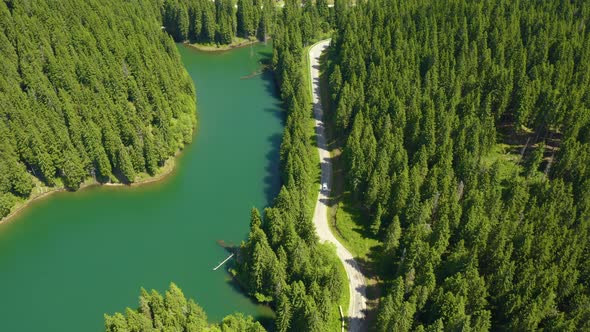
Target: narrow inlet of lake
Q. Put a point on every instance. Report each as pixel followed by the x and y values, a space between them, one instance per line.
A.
pixel 68 259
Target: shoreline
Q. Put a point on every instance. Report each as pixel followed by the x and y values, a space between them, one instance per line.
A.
pixel 214 48
pixel 164 172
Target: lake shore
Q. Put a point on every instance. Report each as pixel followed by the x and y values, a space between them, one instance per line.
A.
pixel 222 48
pixel 141 179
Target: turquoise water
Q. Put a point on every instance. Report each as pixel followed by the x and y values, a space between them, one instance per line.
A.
pixel 70 258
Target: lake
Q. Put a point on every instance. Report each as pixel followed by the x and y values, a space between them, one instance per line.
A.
pixel 68 259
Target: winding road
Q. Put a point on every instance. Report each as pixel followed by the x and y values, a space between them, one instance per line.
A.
pixel 357 286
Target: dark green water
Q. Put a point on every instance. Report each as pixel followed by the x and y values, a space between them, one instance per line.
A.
pixel 71 258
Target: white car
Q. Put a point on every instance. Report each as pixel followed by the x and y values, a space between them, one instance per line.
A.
pixel 324 186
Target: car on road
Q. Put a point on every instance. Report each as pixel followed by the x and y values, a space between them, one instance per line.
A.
pixel 324 186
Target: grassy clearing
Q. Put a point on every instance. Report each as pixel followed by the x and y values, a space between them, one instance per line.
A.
pixel 351 228
pixel 508 162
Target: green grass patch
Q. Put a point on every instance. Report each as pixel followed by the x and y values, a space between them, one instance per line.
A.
pixel 507 161
pixel 352 229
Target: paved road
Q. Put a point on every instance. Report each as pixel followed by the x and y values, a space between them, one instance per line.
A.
pixel 357 286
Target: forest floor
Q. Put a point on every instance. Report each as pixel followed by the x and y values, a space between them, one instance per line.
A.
pixel 518 145
pixel 41 191
pixel 357 282
pixel 514 151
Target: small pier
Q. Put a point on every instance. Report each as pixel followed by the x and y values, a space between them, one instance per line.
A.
pixel 225 260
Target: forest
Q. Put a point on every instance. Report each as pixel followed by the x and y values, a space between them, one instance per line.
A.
pixel 466 143
pixel 218 22
pixel 173 312
pixel 282 263
pixel 222 21
pixel 88 89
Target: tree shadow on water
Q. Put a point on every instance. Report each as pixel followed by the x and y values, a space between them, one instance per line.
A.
pixel 270 85
pixel 265 56
pixel 271 88
pixel 277 113
pixel 272 179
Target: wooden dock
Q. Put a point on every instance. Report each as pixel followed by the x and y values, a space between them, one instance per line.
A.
pixel 225 260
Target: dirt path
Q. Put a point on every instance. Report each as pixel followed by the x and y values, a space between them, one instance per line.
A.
pixel 357 283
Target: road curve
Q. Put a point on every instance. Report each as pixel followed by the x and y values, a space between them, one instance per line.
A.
pixel 357 286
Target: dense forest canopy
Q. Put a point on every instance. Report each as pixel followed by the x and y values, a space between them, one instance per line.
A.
pixel 222 21
pixel 219 21
pixel 173 312
pixel 87 89
pixel 466 130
